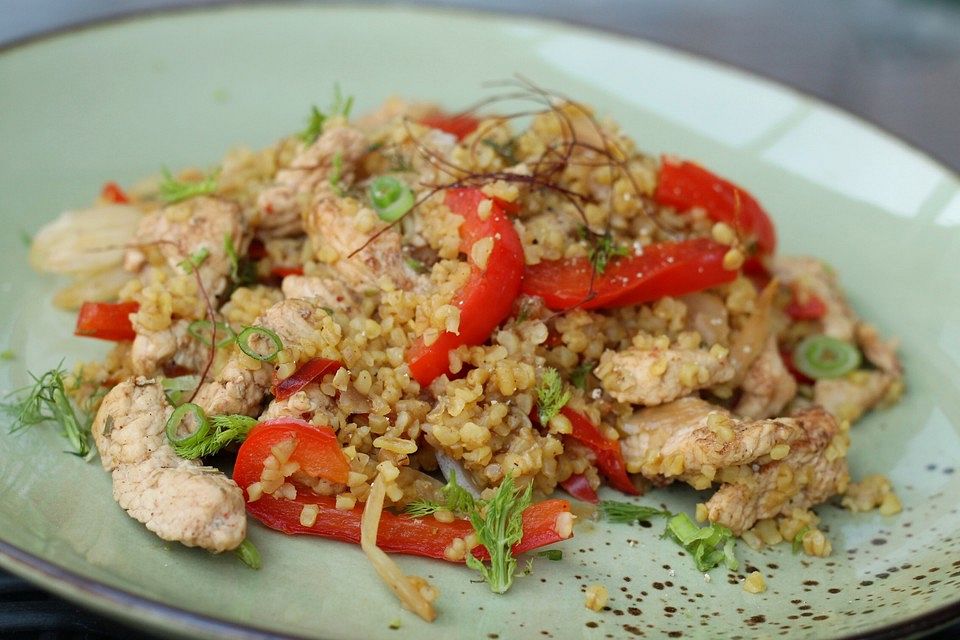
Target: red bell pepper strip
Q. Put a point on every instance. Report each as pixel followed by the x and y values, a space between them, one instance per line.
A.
pixel 685 185
pixel 317 451
pixel 609 457
pixel 106 321
pixel 459 124
pixel 257 250
pixel 799 376
pixel 579 487
pixel 283 272
pixel 487 297
pixel 306 373
pixel 812 309
pixel 664 269
pixel 112 192
pixel 427 537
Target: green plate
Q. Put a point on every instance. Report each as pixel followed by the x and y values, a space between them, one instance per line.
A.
pixel 117 101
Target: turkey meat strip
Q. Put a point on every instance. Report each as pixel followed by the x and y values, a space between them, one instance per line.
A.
pixel 177 499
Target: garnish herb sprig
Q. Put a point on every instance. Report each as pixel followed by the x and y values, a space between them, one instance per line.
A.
pixel 627 512
pixel 341 107
pixel 210 434
pixel 604 249
pixel 552 396
pixel 47 401
pixel 173 190
pixel 498 524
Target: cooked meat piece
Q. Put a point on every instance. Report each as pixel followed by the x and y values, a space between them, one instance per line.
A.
pixel 767 386
pixel 707 315
pixel 325 292
pixel 748 343
pixel 654 376
pixel 881 353
pixel 333 229
pixel 393 108
pixel 812 472
pixel 151 350
pixel 282 203
pixel 646 431
pixel 183 229
pixel 814 277
pixel 304 404
pixel 239 388
pixel 851 396
pixel 177 499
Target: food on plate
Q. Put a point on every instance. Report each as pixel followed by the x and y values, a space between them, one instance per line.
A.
pixel 418 331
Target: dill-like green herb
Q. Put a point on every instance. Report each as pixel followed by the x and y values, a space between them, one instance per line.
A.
pixel 46 401
pixel 498 524
pixel 172 190
pixel 627 512
pixel 551 395
pixel 578 377
pixel 603 250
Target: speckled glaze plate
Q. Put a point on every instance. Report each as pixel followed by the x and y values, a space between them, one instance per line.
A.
pixel 114 102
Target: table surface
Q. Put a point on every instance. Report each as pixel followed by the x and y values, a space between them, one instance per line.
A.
pixel 894 63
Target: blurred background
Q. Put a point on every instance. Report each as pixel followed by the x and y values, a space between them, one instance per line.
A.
pixel 895 63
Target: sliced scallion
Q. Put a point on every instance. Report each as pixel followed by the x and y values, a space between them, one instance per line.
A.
pixel 200 329
pixel 243 341
pixel 391 198
pixel 195 436
pixel 821 356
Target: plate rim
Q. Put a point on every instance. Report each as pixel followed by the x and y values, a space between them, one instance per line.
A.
pixel 119 603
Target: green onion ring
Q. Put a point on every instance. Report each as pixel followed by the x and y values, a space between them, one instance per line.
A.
pixel 198 434
pixel 391 198
pixel 243 341
pixel 195 328
pixel 821 356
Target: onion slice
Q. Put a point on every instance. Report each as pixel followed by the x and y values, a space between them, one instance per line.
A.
pixel 405 588
pixel 449 466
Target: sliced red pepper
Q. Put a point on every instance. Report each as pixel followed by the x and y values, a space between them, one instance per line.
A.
pixel 106 321
pixel 487 297
pixel 306 373
pixel 317 452
pixel 685 185
pixel 609 457
pixel 257 250
pixel 579 487
pixel 459 124
pixel 427 537
pixel 283 272
pixel 664 269
pixel 799 376
pixel 812 309
pixel 757 272
pixel 112 192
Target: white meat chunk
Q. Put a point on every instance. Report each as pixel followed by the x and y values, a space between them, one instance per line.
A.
pixel 304 404
pixel 814 277
pixel 879 352
pixel 334 231
pixel 851 396
pixel 814 470
pixel 764 467
pixel 708 316
pixel 325 292
pixel 654 376
pixel 282 203
pixel 767 386
pixel 177 499
pixel 186 229
pixel 238 388
pixel 151 350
